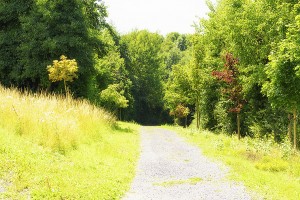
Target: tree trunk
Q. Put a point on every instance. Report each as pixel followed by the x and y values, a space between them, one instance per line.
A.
pixel 198 112
pixel 174 120
pixel 185 121
pixel 238 125
pixel 65 87
pixel 295 127
pixel 290 127
pixel 67 91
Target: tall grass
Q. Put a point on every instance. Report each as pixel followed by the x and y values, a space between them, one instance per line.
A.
pixel 57 148
pixel 52 121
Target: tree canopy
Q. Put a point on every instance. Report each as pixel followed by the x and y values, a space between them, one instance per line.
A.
pixel 155 79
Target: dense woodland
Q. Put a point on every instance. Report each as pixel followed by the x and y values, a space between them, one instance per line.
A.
pixel 238 73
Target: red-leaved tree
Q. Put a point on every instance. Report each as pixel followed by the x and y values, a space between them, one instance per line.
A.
pixel 233 88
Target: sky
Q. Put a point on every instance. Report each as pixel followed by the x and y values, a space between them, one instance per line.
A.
pixel 162 16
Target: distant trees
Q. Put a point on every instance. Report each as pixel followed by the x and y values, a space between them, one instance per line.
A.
pixel 181 111
pixel 113 99
pixel 176 61
pixel 143 63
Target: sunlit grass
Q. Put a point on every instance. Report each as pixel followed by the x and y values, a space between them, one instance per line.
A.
pixel 191 181
pixel 270 169
pixel 57 148
pixel 52 121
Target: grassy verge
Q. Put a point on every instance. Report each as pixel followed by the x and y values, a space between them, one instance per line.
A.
pixel 54 148
pixel 269 169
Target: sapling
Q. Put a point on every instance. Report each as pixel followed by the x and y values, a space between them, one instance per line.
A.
pixel 63 70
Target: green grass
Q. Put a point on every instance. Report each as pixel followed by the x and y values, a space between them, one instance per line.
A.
pixel 191 181
pixel 54 148
pixel 269 169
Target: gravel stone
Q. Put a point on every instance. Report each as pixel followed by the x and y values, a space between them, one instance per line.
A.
pixel 166 159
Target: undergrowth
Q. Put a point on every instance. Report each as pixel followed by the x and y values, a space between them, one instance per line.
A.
pixel 57 148
pixel 270 169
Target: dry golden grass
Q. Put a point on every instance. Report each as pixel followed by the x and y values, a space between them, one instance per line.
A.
pixel 52 121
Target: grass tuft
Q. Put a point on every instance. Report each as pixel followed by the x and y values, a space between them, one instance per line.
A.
pixel 191 181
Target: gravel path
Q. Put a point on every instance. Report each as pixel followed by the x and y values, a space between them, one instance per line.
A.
pixel 171 169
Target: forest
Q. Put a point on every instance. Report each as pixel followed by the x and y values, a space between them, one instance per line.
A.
pixel 239 73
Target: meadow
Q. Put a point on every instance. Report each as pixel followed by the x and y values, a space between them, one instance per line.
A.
pixel 269 169
pixel 52 147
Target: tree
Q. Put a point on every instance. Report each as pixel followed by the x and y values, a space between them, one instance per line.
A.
pixel 232 88
pixel 144 66
pixel 11 14
pixel 177 89
pixel 63 70
pixel 113 98
pixel 181 111
pixel 110 69
pixel 170 53
pixel 248 29
pixel 283 74
pixel 53 28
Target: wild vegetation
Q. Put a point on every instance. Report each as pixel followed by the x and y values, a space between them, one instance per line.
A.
pixel 52 147
pixel 262 164
pixel 145 77
pixel 261 87
pixel 237 74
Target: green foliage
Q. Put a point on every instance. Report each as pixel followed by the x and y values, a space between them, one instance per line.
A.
pixel 11 14
pixel 282 71
pixel 253 31
pixel 156 73
pixel 144 67
pixel 225 121
pixel 112 98
pixel 38 32
pixel 110 69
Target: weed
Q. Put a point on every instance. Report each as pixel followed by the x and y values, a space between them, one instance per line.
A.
pixel 192 181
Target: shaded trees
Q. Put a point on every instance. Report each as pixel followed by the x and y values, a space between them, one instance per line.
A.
pixel 53 29
pixel 11 14
pixel 43 30
pixel 144 66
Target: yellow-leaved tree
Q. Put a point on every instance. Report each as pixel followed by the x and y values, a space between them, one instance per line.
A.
pixel 63 70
